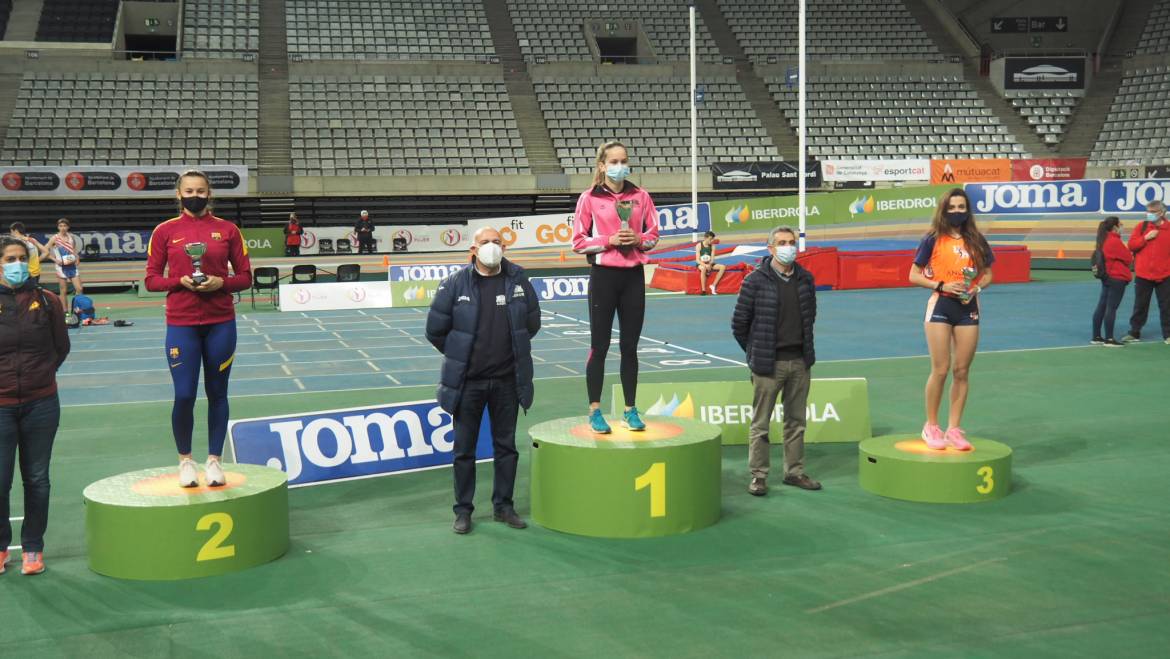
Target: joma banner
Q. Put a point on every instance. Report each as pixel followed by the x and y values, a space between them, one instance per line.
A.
pixel 838 408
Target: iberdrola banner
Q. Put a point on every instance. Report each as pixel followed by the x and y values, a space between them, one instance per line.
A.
pixel 838 408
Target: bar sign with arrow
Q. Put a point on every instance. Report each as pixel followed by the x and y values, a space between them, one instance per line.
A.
pixel 1048 24
pixel 1020 24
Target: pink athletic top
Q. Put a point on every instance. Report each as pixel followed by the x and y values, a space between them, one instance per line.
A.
pixel 597 219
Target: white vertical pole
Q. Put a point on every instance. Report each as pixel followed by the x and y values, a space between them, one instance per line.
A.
pixel 694 125
pixel 802 130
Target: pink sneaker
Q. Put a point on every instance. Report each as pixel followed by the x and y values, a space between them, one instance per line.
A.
pixel 955 437
pixel 933 436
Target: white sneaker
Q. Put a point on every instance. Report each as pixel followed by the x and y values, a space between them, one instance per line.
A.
pixel 215 476
pixel 188 473
pixel 713 291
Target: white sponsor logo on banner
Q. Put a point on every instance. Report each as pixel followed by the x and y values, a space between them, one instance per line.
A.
pixel 917 169
pixel 332 296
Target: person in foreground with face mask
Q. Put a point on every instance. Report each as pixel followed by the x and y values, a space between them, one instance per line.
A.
pixel 201 316
pixel 953 260
pixel 614 226
pixel 33 345
pixel 1150 243
pixel 483 319
pixel 773 323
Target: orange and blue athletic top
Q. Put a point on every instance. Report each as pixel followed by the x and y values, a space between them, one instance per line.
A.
pixel 225 245
pixel 942 258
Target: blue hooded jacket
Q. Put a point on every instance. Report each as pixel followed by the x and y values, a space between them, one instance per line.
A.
pixel 453 321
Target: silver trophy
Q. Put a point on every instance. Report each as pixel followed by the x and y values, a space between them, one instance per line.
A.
pixel 624 210
pixel 196 252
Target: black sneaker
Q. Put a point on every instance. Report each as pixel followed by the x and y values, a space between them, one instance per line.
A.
pixel 510 518
pixel 1112 343
pixel 1131 338
pixel 1097 341
pixel 462 524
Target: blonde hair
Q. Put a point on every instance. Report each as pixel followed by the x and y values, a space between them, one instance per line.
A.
pixel 599 175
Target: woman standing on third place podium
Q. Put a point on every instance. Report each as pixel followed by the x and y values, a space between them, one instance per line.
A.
pixel 201 315
pixel 954 260
pixel 614 226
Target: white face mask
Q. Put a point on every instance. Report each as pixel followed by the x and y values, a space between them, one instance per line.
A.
pixel 785 254
pixel 489 254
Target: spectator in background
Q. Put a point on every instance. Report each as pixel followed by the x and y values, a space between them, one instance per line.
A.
pixel 1115 261
pixel 36 251
pixel 773 323
pixel 62 249
pixel 292 236
pixel 1152 266
pixel 364 230
pixel 34 344
pixel 705 258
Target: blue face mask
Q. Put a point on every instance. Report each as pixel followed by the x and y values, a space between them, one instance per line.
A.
pixel 16 273
pixel 1153 217
pixel 786 254
pixel 617 172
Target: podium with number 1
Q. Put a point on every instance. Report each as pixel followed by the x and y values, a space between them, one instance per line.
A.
pixel 661 481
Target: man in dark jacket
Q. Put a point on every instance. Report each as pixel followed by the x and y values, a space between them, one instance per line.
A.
pixel 773 323
pixel 483 319
pixel 364 230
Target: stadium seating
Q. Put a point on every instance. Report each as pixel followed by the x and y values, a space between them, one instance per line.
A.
pixel 896 116
pixel 1136 129
pixel 221 28
pixel 133 119
pixel 397 30
pixel 837 29
pixel 652 116
pixel 418 125
pixel 554 30
pixel 1156 37
pixel 85 21
pixel 1047 112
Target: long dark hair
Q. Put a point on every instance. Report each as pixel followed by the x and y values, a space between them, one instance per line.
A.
pixel 1105 227
pixel 972 237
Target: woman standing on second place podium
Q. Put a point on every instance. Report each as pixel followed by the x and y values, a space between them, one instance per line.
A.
pixel 201 317
pixel 614 226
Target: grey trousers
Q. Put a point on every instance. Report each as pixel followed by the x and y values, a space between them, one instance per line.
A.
pixel 790 380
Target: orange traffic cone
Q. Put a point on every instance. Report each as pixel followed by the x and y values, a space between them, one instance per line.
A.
pixel 1060 253
pixel 562 258
pixel 385 261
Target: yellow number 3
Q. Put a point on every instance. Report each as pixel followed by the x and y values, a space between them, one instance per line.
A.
pixel 214 549
pixel 988 484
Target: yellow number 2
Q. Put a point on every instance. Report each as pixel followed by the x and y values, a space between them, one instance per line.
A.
pixel 214 549
pixel 988 484
pixel 655 479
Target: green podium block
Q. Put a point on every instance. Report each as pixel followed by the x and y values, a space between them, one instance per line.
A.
pixel 903 467
pixel 662 481
pixel 142 525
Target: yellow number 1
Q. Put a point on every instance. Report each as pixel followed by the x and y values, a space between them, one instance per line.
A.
pixel 655 479
pixel 214 548
pixel 988 484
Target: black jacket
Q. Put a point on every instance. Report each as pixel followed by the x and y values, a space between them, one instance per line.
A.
pixel 33 343
pixel 453 321
pixel 757 315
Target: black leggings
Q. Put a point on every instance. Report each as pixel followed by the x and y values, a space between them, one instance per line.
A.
pixel 622 290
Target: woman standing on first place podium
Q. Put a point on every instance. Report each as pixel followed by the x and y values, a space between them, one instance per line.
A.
pixel 201 314
pixel 614 226
pixel 954 260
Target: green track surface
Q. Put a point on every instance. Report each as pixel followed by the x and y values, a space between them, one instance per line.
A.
pixel 1072 563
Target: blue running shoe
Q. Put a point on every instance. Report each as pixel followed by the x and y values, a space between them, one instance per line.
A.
pixel 598 424
pixel 633 421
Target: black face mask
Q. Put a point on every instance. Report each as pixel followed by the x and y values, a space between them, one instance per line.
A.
pixel 957 219
pixel 195 205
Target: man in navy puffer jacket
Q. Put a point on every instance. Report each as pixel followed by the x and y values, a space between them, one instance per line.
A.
pixel 483 319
